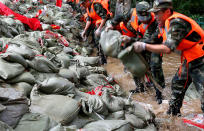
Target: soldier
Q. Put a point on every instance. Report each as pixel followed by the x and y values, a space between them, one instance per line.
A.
pixel 184 34
pixel 140 25
pixel 98 13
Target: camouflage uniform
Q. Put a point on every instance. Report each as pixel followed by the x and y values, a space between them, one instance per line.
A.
pixel 150 36
pixel 193 72
pixel 103 14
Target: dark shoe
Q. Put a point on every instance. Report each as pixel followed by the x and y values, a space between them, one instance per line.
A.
pixel 137 90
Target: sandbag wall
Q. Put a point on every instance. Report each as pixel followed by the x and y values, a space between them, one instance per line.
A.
pixel 49 81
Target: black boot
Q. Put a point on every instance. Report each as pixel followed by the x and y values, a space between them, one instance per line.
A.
pixel 158 96
pixel 139 86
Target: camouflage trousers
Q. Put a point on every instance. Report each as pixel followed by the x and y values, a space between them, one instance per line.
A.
pixel 186 74
pixel 155 62
pixel 95 41
pixel 156 68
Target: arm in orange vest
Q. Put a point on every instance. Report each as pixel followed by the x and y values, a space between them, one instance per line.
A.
pixel 83 34
pixel 98 31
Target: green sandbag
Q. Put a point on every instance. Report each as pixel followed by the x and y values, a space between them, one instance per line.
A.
pixel 11 93
pixel 35 122
pixel 113 103
pixel 133 61
pixel 10 70
pixel 91 61
pixel 92 104
pixel 150 127
pixel 23 87
pixel 14 57
pixel 23 50
pixel 62 109
pixel 96 80
pixel 15 109
pixel 57 85
pixel 142 113
pixel 69 74
pixel 43 65
pixel 81 72
pixel 5 127
pixel 135 121
pixel 2 107
pixel 24 77
pixel 110 42
pixel 108 125
pixel 64 60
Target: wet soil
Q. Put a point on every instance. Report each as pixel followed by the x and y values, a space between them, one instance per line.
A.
pixel 166 123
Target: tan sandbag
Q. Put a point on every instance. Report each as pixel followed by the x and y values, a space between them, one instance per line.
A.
pixel 62 109
pixel 133 61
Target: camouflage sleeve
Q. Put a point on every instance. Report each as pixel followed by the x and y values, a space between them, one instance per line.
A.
pixel 178 29
pixel 100 10
pixel 151 34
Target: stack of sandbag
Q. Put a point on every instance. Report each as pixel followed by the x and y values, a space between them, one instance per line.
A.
pixel 62 109
pixel 13 110
pixel 67 88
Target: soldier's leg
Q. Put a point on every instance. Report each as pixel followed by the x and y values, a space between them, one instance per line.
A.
pixel 100 51
pixel 139 85
pixel 180 83
pixel 156 69
pixel 197 75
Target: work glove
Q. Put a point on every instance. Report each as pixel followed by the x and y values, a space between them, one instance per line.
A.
pixel 125 39
pixel 108 26
pixel 139 46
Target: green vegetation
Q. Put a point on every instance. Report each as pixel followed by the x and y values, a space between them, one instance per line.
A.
pixel 191 8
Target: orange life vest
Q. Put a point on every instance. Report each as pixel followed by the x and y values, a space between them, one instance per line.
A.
pixel 134 24
pixel 92 13
pixel 190 50
pixel 143 27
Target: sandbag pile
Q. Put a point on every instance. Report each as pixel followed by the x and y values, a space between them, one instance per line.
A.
pixel 48 81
